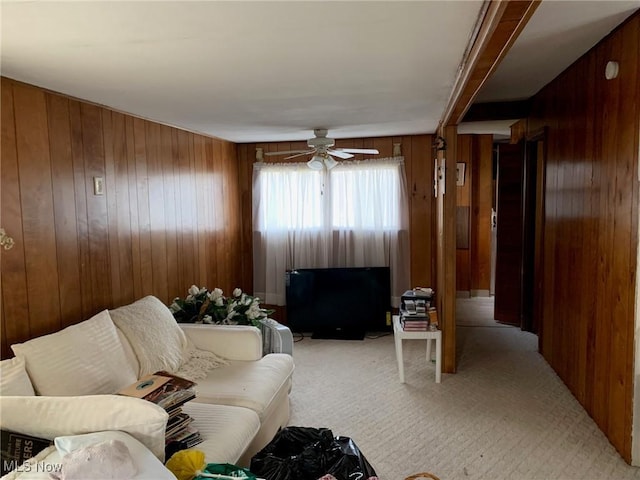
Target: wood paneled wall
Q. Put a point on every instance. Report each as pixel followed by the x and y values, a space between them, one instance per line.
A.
pixel 418 154
pixel 169 216
pixel 591 228
pixel 473 259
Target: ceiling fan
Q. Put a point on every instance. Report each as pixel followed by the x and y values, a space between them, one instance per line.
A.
pixel 321 148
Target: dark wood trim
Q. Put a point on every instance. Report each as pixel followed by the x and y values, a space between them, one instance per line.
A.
pixel 446 249
pixel 500 26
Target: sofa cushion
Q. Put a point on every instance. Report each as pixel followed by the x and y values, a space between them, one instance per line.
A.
pixel 227 431
pixel 14 379
pixel 146 464
pixel 51 417
pixel 128 351
pixel 83 359
pixel 252 384
pixel 156 338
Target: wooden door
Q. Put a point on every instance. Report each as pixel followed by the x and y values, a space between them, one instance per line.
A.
pixel 509 251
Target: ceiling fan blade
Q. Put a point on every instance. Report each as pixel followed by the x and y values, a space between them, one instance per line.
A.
pixel 309 152
pixel 370 151
pixel 340 153
pixel 286 152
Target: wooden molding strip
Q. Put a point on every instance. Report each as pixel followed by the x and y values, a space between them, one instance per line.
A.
pixel 501 22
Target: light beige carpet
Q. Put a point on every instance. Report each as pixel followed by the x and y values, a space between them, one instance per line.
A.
pixel 504 415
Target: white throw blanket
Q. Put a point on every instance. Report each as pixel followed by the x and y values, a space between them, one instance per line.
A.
pixel 110 460
pixel 158 341
pixel 198 362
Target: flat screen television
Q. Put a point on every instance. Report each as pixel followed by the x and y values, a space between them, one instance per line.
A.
pixel 338 302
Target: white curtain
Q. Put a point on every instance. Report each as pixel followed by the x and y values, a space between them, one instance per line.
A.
pixel 355 215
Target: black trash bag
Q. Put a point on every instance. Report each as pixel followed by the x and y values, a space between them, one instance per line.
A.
pixel 304 453
pixel 351 462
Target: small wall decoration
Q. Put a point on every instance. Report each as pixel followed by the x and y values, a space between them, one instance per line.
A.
pixel 460 171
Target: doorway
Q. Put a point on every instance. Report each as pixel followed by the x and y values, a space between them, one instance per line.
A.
pixel 519 235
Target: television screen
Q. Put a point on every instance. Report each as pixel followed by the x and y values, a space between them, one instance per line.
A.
pixel 338 302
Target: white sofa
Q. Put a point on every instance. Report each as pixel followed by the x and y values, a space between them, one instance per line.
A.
pixel 240 404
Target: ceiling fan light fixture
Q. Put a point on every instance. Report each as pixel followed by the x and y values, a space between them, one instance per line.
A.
pixel 315 163
pixel 330 162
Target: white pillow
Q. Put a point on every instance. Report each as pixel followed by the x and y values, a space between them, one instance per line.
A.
pixel 156 338
pixel 51 417
pixel 147 465
pixel 14 379
pixel 83 359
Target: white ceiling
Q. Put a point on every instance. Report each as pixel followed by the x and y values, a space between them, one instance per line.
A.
pixel 269 71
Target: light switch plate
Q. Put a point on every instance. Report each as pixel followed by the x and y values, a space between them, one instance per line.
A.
pixel 98 186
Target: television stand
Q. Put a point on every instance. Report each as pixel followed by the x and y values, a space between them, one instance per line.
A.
pixel 339 334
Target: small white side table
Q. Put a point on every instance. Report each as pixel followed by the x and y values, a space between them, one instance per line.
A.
pixel 399 335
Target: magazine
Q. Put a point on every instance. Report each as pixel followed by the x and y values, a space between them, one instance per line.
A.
pixel 177 424
pixel 162 388
pixel 187 438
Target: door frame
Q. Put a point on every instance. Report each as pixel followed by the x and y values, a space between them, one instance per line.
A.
pixel 538 140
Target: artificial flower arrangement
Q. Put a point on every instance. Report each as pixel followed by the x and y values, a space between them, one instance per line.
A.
pixel 211 306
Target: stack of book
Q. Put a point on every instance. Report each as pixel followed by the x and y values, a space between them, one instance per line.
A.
pixel 414 324
pixel 171 393
pixel 414 310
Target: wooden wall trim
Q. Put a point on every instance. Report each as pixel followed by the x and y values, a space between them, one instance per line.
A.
pixel 446 249
pixel 501 23
pixel 449 232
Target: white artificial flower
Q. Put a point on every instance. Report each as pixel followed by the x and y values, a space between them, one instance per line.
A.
pixel 237 292
pixel 207 319
pixel 254 312
pixel 219 301
pixel 231 307
pixel 174 307
pixel 214 295
pixel 193 290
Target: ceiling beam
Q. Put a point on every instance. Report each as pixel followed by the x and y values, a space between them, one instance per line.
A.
pixel 482 112
pixel 499 24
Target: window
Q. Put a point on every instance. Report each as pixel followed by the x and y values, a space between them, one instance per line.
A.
pixel 358 196
pixel 365 197
pixel 354 215
pixel 290 198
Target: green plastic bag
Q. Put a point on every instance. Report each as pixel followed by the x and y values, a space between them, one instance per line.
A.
pixel 225 469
